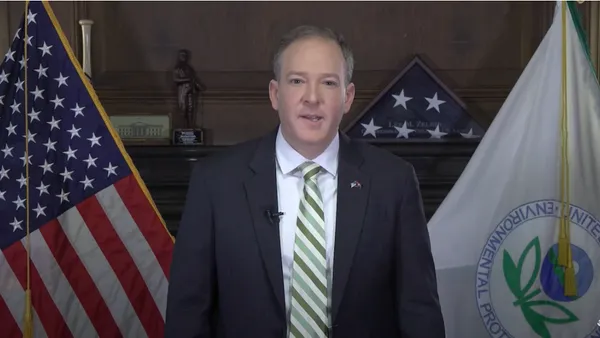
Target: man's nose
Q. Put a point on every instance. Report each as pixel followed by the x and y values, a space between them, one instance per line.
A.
pixel 311 95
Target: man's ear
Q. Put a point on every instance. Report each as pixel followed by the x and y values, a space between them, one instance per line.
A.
pixel 350 91
pixel 273 91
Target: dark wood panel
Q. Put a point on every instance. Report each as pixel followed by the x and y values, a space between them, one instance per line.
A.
pixel 166 171
pixel 145 36
pixel 478 49
pixel 479 43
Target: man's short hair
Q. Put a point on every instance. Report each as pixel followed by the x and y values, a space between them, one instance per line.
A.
pixel 303 32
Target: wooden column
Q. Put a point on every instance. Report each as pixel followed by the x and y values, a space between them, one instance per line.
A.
pixel 593 30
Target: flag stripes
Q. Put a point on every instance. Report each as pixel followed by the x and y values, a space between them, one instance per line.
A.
pixel 74 260
pixel 136 245
pixel 81 281
pixel 122 264
pixel 59 289
pixel 11 301
pixel 88 250
pixel 52 320
pixel 149 223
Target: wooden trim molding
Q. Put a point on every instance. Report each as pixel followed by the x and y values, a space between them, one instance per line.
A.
pixel 256 95
pixel 5 38
pixel 593 30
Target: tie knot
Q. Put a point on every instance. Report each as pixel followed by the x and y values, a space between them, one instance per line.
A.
pixel 309 169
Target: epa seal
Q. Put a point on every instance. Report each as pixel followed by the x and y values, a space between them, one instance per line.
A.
pixel 519 286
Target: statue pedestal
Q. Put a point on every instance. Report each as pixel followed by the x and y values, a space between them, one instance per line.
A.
pixel 188 137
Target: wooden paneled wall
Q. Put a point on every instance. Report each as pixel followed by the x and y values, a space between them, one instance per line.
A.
pixel 478 49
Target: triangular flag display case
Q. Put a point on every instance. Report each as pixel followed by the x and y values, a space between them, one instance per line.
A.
pixel 438 162
pixel 415 106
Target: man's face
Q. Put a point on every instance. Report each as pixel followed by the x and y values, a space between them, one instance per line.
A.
pixel 311 96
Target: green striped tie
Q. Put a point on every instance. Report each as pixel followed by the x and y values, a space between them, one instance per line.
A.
pixel 308 318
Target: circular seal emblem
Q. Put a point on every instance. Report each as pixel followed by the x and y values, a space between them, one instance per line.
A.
pixel 519 285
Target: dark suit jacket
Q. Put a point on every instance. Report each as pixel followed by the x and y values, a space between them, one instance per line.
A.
pixel 226 275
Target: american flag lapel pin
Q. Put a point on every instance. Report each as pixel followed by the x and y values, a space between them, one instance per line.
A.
pixel 355 184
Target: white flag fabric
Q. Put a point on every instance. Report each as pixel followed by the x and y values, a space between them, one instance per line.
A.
pixel 495 236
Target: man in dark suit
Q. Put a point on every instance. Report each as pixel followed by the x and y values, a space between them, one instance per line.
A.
pixel 304 232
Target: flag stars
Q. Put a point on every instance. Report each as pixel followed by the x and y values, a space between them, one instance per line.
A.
pixel 4 173
pixel 16 224
pixel 66 175
pixel 21 189
pixel 19 203
pixel 41 71
pixel 90 161
pixel 469 134
pixel 57 102
pixel 34 115
pixel 64 196
pixel 403 131
pixel 22 181
pixel 30 137
pixel 50 145
pixel 23 61
pixel 436 133
pixel 87 182
pixel 95 140
pixel 19 85
pixel 53 123
pixel 74 131
pixel 370 128
pixel 401 99
pixel 31 17
pixel 9 55
pixel 4 77
pixel 62 80
pixel 78 110
pixel 43 188
pixel 46 166
pixel 7 151
pixel 111 170
pixel 434 102
pixel 11 129
pixel 70 153
pixel 15 107
pixel 37 93
pixel 39 211
pixel 45 49
pixel 28 159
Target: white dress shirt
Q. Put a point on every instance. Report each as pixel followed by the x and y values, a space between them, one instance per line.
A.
pixel 289 188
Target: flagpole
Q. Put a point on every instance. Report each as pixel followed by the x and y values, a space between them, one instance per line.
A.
pixel 564 242
pixel 28 325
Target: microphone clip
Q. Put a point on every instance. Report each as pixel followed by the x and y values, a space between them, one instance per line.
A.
pixel 273 216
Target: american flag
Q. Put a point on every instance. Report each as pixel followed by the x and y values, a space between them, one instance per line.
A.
pixel 416 105
pixel 77 225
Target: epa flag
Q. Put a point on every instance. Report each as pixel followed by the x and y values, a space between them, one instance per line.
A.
pixel 511 261
pixel 83 250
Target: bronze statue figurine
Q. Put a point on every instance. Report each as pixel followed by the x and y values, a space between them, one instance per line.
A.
pixel 188 88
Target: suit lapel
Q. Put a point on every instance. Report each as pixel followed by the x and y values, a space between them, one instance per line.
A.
pixel 261 193
pixel 353 194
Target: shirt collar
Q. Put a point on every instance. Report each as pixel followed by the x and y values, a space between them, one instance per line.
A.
pixel 289 159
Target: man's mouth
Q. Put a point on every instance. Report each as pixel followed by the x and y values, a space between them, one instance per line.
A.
pixel 311 117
